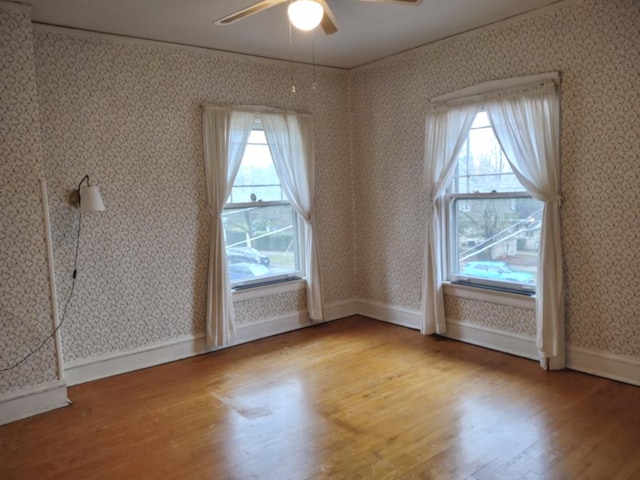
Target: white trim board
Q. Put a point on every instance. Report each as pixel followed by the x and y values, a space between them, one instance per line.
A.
pixel 500 340
pixel 606 365
pixel 15 6
pixel 164 352
pixel 491 296
pixel 407 54
pixel 269 290
pixel 602 364
pixel 32 401
pixel 494 86
pixel 340 309
pixel 402 316
pixel 180 46
pixel 614 367
pixel 269 327
pixel 584 360
pixel 135 359
pixel 177 349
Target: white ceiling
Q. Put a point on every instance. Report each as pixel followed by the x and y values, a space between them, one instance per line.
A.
pixel 368 31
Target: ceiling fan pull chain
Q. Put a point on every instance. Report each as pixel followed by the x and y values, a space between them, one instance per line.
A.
pixel 313 59
pixel 293 85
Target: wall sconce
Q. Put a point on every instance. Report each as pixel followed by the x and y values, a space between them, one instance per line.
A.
pixel 87 197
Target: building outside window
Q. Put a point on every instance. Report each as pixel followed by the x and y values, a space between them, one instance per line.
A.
pixel 492 223
pixel 262 231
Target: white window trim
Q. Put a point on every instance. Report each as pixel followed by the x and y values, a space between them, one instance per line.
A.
pixel 448 223
pixel 527 302
pixel 261 284
pixel 260 291
pixel 494 86
pixel 480 284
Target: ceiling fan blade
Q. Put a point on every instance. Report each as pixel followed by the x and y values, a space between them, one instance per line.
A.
pixel 406 2
pixel 328 22
pixel 250 10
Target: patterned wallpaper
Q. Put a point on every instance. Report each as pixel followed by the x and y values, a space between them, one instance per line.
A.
pixel 596 46
pixel 516 320
pixel 127 113
pixel 257 309
pixel 25 312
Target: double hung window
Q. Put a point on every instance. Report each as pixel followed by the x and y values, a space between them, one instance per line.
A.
pixel 262 231
pixel 492 224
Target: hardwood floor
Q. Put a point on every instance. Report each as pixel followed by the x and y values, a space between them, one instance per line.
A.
pixel 352 399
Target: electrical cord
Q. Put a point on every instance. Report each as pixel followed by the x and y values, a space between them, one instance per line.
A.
pixel 66 305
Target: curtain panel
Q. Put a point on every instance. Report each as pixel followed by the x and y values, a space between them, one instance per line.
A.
pixel 225 137
pixel 291 143
pixel 226 132
pixel 445 132
pixel 527 126
pixel 526 122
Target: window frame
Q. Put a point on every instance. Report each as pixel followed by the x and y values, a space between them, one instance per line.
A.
pixel 450 234
pixel 451 229
pixel 299 231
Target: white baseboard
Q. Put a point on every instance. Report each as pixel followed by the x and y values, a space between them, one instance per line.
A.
pixel 129 360
pixel 602 364
pixel 271 326
pixel 165 352
pixel 499 340
pixel 402 316
pixel 580 359
pixel 32 401
pixel 614 367
pixel 340 309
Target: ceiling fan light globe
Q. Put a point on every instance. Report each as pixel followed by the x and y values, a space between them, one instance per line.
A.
pixel 305 14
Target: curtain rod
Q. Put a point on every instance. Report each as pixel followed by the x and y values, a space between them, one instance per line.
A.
pixel 253 109
pixel 496 86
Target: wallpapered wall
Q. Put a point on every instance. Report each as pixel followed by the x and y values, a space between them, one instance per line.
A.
pixel 25 312
pixel 596 46
pixel 127 114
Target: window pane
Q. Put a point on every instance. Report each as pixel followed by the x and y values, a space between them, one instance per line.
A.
pixel 482 166
pixel 247 194
pixel 257 136
pixel 497 239
pixel 257 179
pixel 261 242
pixel 481 120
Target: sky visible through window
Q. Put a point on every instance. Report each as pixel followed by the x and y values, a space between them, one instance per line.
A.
pixel 257 174
pixel 260 226
pixel 482 166
pixel 494 239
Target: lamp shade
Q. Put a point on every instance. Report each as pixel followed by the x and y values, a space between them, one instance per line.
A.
pixel 90 199
pixel 305 14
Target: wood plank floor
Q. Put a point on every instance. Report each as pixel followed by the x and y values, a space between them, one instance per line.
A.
pixel 352 399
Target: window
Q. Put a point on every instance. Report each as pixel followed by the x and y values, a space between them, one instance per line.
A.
pixel 492 224
pixel 262 232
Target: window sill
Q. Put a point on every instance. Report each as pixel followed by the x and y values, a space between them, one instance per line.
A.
pixel 492 296
pixel 269 290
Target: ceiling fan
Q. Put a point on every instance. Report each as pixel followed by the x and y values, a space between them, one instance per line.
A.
pixel 303 14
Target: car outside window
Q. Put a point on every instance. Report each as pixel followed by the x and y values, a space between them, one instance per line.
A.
pixel 262 232
pixel 492 224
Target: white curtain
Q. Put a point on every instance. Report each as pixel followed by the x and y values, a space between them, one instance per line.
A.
pixel 527 126
pixel 291 143
pixel 225 137
pixel 445 132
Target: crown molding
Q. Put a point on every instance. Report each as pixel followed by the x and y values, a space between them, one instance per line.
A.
pixel 538 12
pixel 179 46
pixel 15 6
